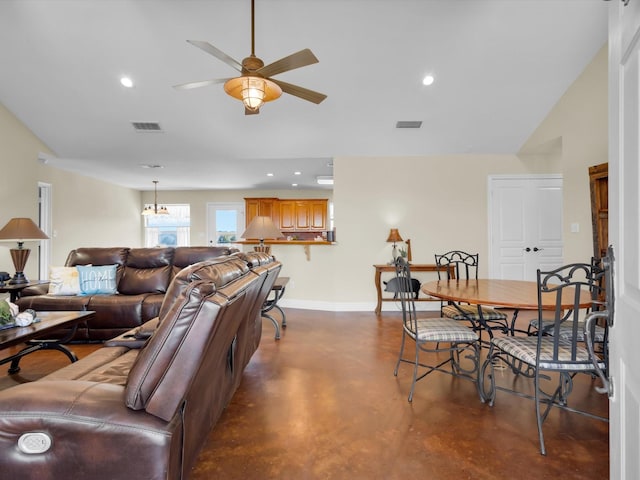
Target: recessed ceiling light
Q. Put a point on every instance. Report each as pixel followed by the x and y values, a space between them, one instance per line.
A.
pixel 324 180
pixel 126 82
pixel 428 80
pixel 294 184
pixel 269 174
pixel 297 173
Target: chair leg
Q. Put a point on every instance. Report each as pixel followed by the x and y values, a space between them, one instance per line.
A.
pixel 395 371
pixel 484 377
pixel 415 372
pixel 539 419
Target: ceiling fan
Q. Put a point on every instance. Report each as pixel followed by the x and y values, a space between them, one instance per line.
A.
pixel 255 86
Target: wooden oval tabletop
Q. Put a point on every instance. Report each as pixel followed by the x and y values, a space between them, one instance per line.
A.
pixel 518 294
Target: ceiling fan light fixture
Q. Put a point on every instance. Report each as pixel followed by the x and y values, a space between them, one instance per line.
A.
pixel 252 90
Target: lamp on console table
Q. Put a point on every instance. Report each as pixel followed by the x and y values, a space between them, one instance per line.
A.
pixel 394 236
pixel 21 230
pixel 260 228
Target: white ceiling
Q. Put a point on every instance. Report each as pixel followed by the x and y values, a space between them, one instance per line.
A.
pixel 500 66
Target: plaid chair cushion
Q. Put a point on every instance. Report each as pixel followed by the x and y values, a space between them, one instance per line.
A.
pixel 566 331
pixel 471 313
pixel 442 330
pixel 524 348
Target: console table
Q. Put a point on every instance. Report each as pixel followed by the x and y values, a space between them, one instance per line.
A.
pixel 414 267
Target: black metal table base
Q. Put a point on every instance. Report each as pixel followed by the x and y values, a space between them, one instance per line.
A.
pixel 36 345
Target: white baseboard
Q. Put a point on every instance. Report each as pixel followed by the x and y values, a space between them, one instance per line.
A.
pixel 353 306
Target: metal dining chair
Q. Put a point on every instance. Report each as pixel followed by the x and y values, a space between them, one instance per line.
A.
pixel 550 359
pixel 459 343
pixel 465 267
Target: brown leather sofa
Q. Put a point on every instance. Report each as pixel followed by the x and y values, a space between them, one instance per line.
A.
pixel 142 277
pixel 142 406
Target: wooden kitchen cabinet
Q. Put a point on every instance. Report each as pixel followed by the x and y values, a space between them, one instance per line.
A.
pixel 303 215
pixel 290 215
pixel 287 215
pixel 318 215
pixel 265 207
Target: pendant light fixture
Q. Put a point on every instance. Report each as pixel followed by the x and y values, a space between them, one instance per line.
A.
pixel 149 210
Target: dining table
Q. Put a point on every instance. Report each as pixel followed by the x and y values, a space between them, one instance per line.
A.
pixel 512 294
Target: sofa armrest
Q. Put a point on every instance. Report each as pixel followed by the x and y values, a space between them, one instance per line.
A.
pixel 33 290
pixel 136 337
pixel 82 420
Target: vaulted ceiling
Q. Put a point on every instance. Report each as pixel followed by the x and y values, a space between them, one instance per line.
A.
pixel 499 67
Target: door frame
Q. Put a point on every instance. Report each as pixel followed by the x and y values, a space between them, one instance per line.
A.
pixel 490 190
pixel 44 222
pixel 211 209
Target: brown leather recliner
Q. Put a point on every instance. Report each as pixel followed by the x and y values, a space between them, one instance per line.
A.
pixel 123 413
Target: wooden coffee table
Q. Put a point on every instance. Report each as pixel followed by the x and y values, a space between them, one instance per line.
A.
pixel 34 335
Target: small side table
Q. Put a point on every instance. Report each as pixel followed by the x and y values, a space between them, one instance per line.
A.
pixel 278 289
pixel 415 267
pixel 14 289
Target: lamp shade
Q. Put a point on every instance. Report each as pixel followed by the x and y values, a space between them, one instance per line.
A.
pixel 21 230
pixel 254 91
pixel 394 236
pixel 261 228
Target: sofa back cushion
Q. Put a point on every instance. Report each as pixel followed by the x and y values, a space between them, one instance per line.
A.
pixel 219 270
pixel 186 256
pixel 162 374
pixel 97 256
pixel 146 270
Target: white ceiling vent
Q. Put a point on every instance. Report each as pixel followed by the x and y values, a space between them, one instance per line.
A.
pixel 409 124
pixel 146 126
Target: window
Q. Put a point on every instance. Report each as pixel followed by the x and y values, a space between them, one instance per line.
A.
pixel 173 230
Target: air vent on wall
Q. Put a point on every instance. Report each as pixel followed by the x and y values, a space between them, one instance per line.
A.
pixel 146 126
pixel 409 124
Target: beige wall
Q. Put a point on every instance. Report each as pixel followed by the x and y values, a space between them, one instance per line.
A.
pixel 86 212
pixel 577 127
pixel 439 202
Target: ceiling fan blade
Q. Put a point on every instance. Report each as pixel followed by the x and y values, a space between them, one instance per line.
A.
pixel 202 83
pixel 300 92
pixel 219 54
pixel 295 60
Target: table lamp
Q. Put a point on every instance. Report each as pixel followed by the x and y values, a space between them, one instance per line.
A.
pixel 260 228
pixel 21 230
pixel 394 236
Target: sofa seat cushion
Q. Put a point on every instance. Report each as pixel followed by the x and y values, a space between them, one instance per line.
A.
pixel 54 302
pixel 106 365
pixel 115 314
pixel 151 306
